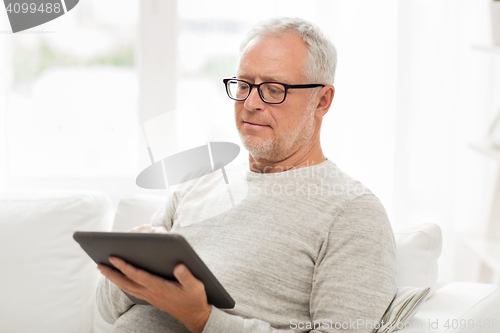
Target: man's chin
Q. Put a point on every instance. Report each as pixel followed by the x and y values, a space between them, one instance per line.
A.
pixel 268 153
pixel 257 147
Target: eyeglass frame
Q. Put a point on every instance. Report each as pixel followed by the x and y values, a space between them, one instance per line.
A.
pixel 287 86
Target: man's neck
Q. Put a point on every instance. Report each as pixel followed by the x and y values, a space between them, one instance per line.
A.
pixel 300 159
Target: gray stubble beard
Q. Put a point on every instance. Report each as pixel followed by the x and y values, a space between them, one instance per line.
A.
pixel 280 148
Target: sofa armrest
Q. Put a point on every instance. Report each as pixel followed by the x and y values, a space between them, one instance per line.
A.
pixel 473 305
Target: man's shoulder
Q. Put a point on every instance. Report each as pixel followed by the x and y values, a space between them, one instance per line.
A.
pixel 344 195
pixel 335 182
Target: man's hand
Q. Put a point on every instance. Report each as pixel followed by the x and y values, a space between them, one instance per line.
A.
pixel 146 228
pixel 186 300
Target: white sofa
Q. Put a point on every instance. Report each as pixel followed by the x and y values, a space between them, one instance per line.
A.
pixel 47 282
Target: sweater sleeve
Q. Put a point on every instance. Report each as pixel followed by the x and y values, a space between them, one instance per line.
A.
pixel 354 278
pixel 111 300
pixel 353 281
pixel 164 216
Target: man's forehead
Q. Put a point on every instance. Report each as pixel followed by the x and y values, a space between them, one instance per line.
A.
pixel 264 77
pixel 272 58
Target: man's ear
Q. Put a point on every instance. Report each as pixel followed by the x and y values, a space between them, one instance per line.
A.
pixel 324 101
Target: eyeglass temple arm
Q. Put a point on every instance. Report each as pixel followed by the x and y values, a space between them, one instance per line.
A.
pixel 301 86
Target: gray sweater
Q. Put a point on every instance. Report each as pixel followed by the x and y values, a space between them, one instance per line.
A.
pixel 305 250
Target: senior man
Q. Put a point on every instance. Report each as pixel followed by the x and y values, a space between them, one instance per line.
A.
pixel 308 249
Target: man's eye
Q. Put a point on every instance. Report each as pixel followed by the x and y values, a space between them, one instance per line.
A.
pixel 274 89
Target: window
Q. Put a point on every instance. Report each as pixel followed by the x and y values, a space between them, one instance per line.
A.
pixel 73 100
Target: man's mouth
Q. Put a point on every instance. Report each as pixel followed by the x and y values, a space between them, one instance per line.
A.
pixel 247 123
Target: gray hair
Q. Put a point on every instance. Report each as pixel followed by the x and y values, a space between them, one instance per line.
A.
pixel 322 56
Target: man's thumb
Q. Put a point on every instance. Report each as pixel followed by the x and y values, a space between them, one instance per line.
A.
pixel 183 275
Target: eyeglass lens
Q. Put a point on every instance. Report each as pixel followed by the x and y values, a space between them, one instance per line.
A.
pixel 270 92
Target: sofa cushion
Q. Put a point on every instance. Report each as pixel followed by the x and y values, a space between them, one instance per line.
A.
pixel 136 209
pixel 48 282
pixel 418 249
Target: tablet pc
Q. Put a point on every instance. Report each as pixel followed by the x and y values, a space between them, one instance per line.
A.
pixel 155 253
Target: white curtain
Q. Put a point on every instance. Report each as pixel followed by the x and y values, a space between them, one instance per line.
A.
pixel 444 102
pixel 5 80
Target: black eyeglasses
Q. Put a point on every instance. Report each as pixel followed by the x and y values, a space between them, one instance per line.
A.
pixel 269 92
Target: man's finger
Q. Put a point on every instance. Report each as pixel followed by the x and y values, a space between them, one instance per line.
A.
pixel 185 278
pixel 120 280
pixel 141 229
pixel 146 228
pixel 137 275
pixel 160 230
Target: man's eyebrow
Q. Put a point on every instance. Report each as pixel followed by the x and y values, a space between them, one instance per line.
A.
pixel 264 78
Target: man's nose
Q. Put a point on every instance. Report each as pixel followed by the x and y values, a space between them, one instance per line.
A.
pixel 254 102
